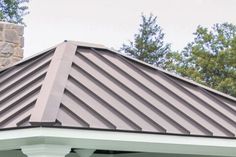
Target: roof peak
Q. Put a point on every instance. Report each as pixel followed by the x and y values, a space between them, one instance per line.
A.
pixel 100 46
pixel 86 44
pixel 80 85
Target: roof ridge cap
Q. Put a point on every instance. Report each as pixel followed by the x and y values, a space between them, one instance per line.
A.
pixel 86 44
pixel 48 102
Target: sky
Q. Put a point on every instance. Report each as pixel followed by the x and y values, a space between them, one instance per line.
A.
pixel 114 22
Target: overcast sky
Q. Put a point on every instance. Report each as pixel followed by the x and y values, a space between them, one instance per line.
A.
pixel 113 22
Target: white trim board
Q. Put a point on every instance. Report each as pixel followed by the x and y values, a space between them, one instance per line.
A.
pixel 123 141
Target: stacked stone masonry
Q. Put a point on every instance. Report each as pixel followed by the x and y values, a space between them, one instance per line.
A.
pixel 11 43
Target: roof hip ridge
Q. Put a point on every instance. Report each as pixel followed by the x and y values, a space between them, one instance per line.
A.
pixel 48 102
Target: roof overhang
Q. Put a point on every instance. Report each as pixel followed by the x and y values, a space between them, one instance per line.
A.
pixel 122 141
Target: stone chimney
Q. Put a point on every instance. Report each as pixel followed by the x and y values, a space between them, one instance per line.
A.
pixel 11 43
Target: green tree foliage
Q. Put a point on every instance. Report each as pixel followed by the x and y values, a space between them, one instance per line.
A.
pixel 210 59
pixel 13 10
pixel 148 44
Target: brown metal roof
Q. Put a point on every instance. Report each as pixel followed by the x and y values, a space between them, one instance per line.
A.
pixel 89 86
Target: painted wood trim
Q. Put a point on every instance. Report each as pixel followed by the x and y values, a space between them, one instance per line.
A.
pixel 122 141
pixel 45 150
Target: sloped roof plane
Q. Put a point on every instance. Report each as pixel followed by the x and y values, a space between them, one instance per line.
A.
pixel 88 86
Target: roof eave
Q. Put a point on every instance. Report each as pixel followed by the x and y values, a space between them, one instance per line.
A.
pixel 122 141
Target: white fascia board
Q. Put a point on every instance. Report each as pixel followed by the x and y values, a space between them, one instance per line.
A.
pixel 123 141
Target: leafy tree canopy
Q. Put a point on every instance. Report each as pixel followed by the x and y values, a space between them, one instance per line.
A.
pixel 13 10
pixel 148 44
pixel 210 59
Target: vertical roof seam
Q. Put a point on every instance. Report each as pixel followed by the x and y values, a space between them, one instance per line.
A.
pixel 24 68
pixel 169 74
pixel 168 90
pixel 216 124
pixel 224 105
pixel 31 72
pixel 194 97
pixel 180 127
pixel 35 81
pixel 73 115
pixel 85 105
pixel 114 110
pixel 135 109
